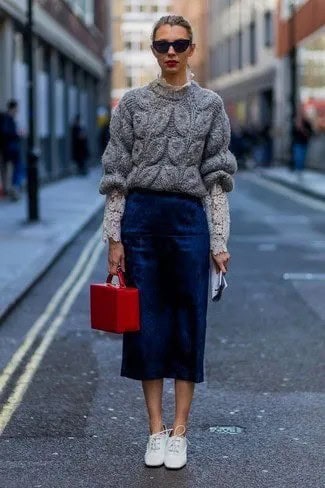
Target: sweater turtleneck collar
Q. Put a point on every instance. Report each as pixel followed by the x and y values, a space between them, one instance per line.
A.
pixel 189 76
pixel 165 89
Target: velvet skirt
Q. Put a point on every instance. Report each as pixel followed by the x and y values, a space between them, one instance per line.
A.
pixel 166 242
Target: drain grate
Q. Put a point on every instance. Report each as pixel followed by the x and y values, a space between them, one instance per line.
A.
pixel 227 429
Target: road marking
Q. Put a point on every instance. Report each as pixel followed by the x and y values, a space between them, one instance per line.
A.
pixel 267 247
pixel 304 276
pixel 38 325
pixel 288 192
pixel 26 377
pixel 227 429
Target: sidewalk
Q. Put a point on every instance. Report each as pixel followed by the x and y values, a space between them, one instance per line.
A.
pixel 27 250
pixel 310 182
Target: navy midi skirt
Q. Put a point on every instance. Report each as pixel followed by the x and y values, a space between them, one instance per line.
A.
pixel 166 242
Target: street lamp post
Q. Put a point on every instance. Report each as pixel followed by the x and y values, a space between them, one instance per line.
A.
pixel 293 80
pixel 32 157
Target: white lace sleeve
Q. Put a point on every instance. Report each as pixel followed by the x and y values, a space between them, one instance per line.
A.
pixel 217 210
pixel 113 213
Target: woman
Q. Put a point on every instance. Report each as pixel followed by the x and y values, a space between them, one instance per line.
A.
pixel 303 132
pixel 166 169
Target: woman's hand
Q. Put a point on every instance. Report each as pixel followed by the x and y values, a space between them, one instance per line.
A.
pixel 115 257
pixel 221 261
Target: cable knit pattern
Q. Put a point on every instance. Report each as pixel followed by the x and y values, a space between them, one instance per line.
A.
pixel 216 208
pixel 169 140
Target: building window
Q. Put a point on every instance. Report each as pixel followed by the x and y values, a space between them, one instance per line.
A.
pixel 83 9
pixel 135 6
pixel 19 47
pixel 252 43
pixel 240 49
pixel 214 61
pixel 228 55
pixel 268 29
pixel 223 57
pixel 234 53
pixel 61 67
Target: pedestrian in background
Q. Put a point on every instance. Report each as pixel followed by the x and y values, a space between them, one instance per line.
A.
pixel 236 145
pixel 104 134
pixel 11 157
pixel 302 134
pixel 267 146
pixel 167 169
pixel 79 146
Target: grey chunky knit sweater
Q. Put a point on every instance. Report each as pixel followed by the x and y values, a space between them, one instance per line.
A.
pixel 169 140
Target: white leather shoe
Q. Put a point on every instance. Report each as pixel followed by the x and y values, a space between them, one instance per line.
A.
pixel 176 450
pixel 156 446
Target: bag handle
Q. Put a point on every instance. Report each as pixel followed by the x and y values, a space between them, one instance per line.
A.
pixel 120 276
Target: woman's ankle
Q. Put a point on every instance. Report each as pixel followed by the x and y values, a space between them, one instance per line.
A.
pixel 156 426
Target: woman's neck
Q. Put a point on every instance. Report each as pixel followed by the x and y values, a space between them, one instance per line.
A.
pixel 177 79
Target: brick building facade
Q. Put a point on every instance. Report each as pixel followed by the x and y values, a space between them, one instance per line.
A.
pixel 302 26
pixel 133 62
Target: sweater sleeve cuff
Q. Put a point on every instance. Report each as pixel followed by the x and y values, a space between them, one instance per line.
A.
pixel 112 181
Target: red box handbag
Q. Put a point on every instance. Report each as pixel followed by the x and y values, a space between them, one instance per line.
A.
pixel 114 308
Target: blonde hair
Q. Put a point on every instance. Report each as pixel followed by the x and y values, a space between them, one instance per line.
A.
pixel 172 20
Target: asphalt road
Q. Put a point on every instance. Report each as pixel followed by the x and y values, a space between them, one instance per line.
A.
pixel 68 419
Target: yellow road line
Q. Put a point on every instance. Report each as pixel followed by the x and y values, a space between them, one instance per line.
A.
pixel 26 377
pixel 38 325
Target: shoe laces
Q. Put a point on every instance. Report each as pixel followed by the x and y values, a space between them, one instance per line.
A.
pixel 174 443
pixel 155 439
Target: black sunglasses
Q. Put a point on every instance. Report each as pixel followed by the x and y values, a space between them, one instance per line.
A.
pixel 180 45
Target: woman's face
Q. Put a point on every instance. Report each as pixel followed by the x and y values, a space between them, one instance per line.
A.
pixel 172 62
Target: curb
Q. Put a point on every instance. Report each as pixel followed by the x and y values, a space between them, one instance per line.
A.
pixel 45 264
pixel 295 186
